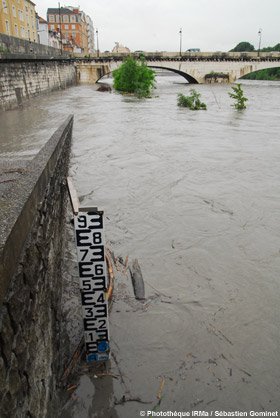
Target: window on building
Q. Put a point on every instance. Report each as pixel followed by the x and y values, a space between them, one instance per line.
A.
pixel 20 13
pixel 52 27
pixel 16 29
pixel 34 39
pixel 7 27
pixel 66 34
pixel 27 19
pixel 28 34
pixel 5 7
pixel 73 18
pixel 74 34
pixel 57 18
pixel 66 26
pixel 18 1
pixel 14 11
pixel 51 18
pixel 73 26
pixel 22 31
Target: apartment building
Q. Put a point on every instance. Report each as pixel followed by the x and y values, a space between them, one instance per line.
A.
pixel 71 23
pixel 90 32
pixel 46 36
pixel 18 19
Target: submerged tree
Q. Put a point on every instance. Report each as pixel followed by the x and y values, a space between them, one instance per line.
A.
pixel 133 77
pixel 192 102
pixel 238 96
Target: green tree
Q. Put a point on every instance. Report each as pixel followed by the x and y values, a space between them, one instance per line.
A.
pixel 243 47
pixel 266 74
pixel 238 96
pixel 132 77
pixel 276 47
pixel 192 102
pixel 271 48
pixel 267 49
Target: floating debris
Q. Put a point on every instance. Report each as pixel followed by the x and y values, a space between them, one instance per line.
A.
pixel 72 362
pixel 228 340
pixel 244 371
pixel 125 264
pixel 125 399
pixel 137 280
pixel 160 388
pixel 71 387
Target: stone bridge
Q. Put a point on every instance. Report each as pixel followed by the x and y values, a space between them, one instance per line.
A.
pixel 205 67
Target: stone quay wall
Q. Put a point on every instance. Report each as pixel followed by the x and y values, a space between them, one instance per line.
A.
pixel 22 78
pixel 14 45
pixel 31 243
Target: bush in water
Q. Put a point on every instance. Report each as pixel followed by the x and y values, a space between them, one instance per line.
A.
pixel 238 96
pixel 133 77
pixel 192 101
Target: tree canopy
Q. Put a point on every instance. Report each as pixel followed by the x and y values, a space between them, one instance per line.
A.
pixel 243 47
pixel 134 77
pixel 247 47
pixel 271 48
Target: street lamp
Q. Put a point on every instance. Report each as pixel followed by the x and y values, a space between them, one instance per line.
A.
pixel 260 35
pixel 97 43
pixel 180 32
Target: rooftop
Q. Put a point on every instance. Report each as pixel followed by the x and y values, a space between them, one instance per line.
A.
pixel 63 10
pixel 41 20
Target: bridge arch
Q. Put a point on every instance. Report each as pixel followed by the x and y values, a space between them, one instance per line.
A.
pixel 102 77
pixel 186 76
pixel 259 70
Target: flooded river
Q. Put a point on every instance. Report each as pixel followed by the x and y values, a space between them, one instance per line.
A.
pixel 194 196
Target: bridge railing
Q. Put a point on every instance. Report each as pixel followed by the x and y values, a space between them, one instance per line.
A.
pixel 250 56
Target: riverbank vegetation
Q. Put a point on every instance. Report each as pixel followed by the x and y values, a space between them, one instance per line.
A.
pixel 267 74
pixel 134 77
pixel 192 102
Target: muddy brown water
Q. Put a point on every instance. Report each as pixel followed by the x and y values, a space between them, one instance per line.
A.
pixel 194 196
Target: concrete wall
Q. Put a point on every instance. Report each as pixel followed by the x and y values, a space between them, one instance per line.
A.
pixel 88 73
pixel 23 79
pixel 31 242
pixel 13 45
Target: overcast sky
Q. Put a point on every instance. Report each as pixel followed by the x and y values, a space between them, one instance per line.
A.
pixel 154 25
